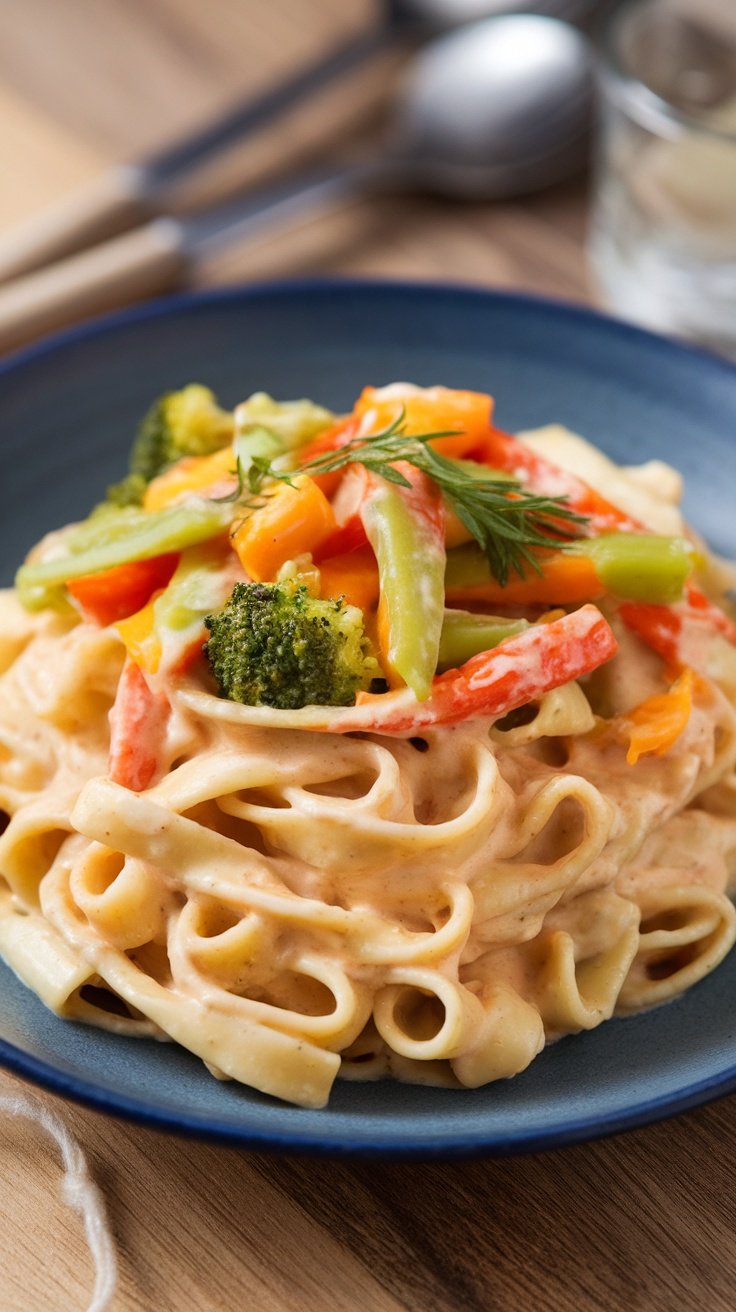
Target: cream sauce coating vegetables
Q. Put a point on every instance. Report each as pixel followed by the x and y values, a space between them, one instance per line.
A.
pixel 382 744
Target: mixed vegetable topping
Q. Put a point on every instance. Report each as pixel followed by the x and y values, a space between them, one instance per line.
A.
pixel 409 562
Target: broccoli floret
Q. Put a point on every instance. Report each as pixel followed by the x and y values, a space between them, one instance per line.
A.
pixel 275 645
pixel 185 423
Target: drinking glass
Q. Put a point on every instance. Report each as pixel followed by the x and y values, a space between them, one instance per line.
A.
pixel 662 243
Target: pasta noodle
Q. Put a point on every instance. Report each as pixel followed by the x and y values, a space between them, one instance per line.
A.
pixel 292 903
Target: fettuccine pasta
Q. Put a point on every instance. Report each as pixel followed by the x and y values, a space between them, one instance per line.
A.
pixel 469 855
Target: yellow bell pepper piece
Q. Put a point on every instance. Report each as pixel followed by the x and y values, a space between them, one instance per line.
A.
pixel 141 640
pixel 192 474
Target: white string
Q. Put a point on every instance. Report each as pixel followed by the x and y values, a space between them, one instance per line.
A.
pixel 78 1190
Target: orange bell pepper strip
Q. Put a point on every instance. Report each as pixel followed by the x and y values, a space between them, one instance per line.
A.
pixel 656 723
pixel 137 727
pixel 113 594
pixel 353 576
pixel 427 410
pixel 295 518
pixel 144 645
pixel 520 670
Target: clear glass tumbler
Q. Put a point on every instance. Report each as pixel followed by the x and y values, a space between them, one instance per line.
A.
pixel 663 226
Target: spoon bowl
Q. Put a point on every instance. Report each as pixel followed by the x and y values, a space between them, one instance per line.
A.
pixel 496 108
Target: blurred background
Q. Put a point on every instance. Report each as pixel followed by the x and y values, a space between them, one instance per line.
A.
pixel 417 152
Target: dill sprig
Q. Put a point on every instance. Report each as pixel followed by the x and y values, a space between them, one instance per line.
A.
pixel 507 521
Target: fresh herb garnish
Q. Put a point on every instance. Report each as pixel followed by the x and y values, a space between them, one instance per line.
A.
pixel 507 521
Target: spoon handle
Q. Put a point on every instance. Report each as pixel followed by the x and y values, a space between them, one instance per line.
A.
pixel 157 256
pixel 106 205
pixel 148 260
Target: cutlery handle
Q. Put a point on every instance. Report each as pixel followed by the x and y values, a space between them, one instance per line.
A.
pixel 102 208
pixel 141 263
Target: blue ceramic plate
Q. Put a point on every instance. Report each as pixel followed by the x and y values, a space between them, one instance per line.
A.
pixel 68 410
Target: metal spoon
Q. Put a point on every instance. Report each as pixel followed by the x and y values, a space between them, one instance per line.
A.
pixel 495 109
pixel 128 194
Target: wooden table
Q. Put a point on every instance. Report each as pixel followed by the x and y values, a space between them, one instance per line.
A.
pixel 641 1223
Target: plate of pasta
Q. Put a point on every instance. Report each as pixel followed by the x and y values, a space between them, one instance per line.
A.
pixel 368 719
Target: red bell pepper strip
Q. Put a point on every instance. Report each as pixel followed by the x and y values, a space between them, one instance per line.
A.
pixel 350 536
pixel 137 726
pixel 520 670
pixel 502 451
pixel 331 440
pixel 350 533
pixel 113 594
pixel 717 618
pixel 680 634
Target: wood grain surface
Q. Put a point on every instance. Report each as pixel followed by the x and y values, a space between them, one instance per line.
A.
pixel 642 1223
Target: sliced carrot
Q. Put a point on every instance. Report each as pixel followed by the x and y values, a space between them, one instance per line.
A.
pixel 112 594
pixel 191 474
pixel 295 519
pixel 353 576
pixel 566 579
pixel 656 723
pixel 430 409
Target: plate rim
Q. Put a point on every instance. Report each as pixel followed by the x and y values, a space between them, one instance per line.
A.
pixel 190 301
pixel 453 1145
pixel 515 1144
